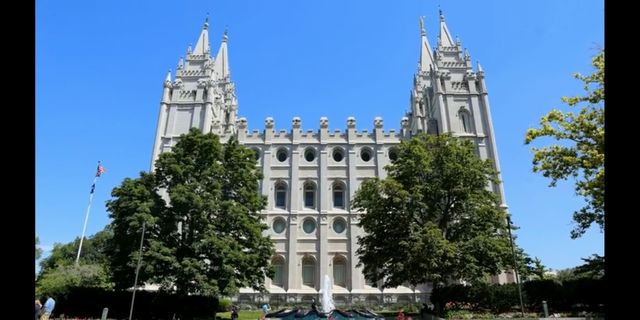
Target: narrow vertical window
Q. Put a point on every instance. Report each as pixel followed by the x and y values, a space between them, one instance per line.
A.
pixel 308 272
pixel 278 267
pixel 309 195
pixel 338 196
pixel 340 271
pixel 281 196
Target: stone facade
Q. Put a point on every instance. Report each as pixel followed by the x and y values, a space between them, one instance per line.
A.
pixel 310 176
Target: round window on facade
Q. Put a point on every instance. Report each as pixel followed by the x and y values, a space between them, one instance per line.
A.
pixel 256 152
pixel 393 154
pixel 338 154
pixel 339 225
pixel 279 225
pixel 309 154
pixel 282 155
pixel 365 154
pixel 309 226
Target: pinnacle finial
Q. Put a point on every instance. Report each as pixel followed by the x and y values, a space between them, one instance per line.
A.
pixel 225 35
pixel 206 21
pixel 422 26
pixel 440 11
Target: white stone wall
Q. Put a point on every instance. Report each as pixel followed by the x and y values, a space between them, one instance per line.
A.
pixel 449 97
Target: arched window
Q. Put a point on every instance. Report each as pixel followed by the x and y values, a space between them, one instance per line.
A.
pixel 465 119
pixel 278 267
pixel 338 195
pixel 340 271
pixel 310 195
pixel 281 195
pixel 308 271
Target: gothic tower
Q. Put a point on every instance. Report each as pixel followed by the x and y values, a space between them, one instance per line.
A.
pixel 310 176
pixel 449 97
pixel 202 95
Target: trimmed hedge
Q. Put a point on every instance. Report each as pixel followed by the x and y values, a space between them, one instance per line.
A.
pixel 89 302
pixel 569 296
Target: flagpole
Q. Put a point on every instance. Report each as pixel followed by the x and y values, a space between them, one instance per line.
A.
pixel 86 216
pixel 135 282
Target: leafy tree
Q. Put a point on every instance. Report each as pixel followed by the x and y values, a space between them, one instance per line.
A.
pixel 59 281
pixel 433 218
pixel 566 275
pixel 38 249
pixel 592 268
pixel 539 269
pixel 209 239
pixel 581 155
pixel 93 252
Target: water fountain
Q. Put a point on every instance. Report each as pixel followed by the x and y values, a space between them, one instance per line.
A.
pixel 327 295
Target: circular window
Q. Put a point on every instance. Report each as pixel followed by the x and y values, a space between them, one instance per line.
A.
pixel 279 225
pixel 338 154
pixel 339 225
pixel 309 226
pixel 309 154
pixel 365 154
pixel 282 155
pixel 257 153
pixel 393 154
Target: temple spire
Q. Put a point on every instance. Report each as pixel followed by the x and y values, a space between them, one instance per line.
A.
pixel 426 58
pixel 445 36
pixel 202 46
pixel 221 65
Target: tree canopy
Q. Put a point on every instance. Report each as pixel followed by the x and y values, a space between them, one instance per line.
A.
pixel 581 152
pixel 93 252
pixel 433 218
pixel 208 238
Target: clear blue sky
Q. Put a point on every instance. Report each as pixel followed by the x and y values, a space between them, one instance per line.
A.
pixel 100 67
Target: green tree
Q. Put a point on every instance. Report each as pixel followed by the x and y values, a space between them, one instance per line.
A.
pixel 539 270
pixel 59 281
pixel 592 268
pixel 581 154
pixel 433 218
pixel 209 240
pixel 38 249
pixel 93 252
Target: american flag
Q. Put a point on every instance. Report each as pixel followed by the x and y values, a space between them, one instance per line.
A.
pixel 100 171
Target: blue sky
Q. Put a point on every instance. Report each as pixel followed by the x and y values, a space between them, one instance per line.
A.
pixel 100 67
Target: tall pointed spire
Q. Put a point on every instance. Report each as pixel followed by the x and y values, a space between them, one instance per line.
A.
pixel 202 46
pixel 426 59
pixel 445 36
pixel 221 65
